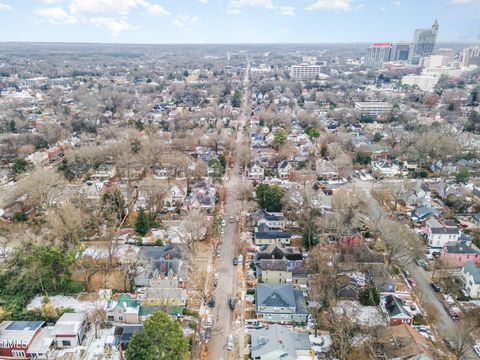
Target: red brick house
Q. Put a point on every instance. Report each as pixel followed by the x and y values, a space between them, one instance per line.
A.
pixel 397 312
pixel 16 337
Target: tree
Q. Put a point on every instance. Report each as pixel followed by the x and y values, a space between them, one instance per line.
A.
pixel 114 203
pixel 21 165
pixel 280 137
pixel 142 223
pixel 269 197
pixel 463 176
pixel 324 150
pixel 313 132
pixel 236 99
pixel 377 137
pixel 160 338
pixel 363 159
pixel 370 297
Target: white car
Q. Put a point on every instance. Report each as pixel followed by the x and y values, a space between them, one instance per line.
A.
pixel 230 342
pixel 476 348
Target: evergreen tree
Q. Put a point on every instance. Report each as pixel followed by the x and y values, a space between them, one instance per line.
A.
pixel 142 223
pixel 161 338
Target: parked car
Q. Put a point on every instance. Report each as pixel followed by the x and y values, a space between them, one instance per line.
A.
pixel 208 332
pixel 231 303
pixel 231 219
pixel 230 342
pixel 450 343
pixel 476 348
pixel 235 261
pixel 237 218
pixel 212 302
pixel 435 287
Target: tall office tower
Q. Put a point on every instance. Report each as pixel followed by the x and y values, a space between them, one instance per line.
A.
pixel 423 43
pixel 470 56
pixel 400 51
pixel 377 54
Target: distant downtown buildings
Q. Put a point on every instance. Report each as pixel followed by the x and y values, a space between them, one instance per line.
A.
pixel 423 44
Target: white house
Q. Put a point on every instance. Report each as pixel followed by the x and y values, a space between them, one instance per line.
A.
pixel 69 329
pixel 438 237
pixel 471 279
pixel 256 172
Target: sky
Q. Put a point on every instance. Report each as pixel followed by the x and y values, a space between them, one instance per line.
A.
pixel 235 21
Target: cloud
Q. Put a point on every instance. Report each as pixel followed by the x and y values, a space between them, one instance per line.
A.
pixel 52 2
pixel 203 1
pixel 464 2
pixel 111 15
pixel 113 25
pixel 286 10
pixel 331 5
pixel 56 15
pixel 157 10
pixel 5 7
pixel 182 21
pixel 235 6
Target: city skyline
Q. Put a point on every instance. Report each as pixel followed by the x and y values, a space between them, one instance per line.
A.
pixel 235 21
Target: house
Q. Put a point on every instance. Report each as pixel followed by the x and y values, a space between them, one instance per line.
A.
pixel 175 195
pixel 457 254
pixel 274 220
pixel 326 169
pixel 256 172
pixel 284 169
pixel 470 276
pixel 123 333
pixel 438 237
pixel 264 235
pixel 69 329
pixel 158 262
pixel 280 303
pixel 280 251
pixel 16 337
pixel 396 311
pixel 279 342
pixel 423 213
pixel 387 168
pixel 123 310
pixel 170 300
pixel 404 342
pixel 282 271
pixel 42 345
pixel 104 172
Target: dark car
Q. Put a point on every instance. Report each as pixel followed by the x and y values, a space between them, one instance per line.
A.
pixel 231 303
pixel 211 302
pixel 235 261
pixel 435 287
pixel 206 336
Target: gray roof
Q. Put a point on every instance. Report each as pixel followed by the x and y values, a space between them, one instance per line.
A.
pixel 273 265
pixel 278 295
pixel 453 248
pixel 279 340
pixel 394 307
pixel 471 269
pixel 275 295
pixel 264 232
pixel 445 230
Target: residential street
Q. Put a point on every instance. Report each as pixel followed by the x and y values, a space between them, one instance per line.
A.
pixel 445 326
pixel 226 289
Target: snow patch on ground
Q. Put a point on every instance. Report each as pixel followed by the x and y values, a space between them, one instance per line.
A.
pixel 361 315
pixel 59 301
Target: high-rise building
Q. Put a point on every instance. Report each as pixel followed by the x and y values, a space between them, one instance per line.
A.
pixel 424 41
pixel 305 72
pixel 399 51
pixel 470 56
pixel 377 54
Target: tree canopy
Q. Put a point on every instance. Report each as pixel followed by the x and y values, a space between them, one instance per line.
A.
pixel 269 197
pixel 161 338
